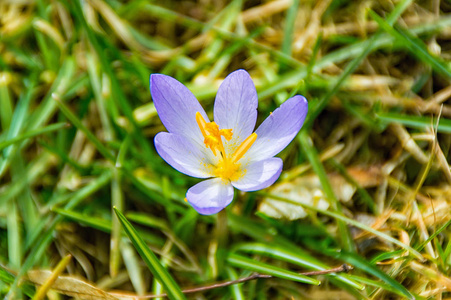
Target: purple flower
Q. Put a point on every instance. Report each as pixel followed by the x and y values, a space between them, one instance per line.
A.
pixel 225 151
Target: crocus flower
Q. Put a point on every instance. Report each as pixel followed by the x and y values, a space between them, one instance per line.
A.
pixel 225 151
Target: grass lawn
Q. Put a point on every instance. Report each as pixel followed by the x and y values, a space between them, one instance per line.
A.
pixel 89 209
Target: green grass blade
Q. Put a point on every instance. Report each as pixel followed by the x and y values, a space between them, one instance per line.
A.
pixel 291 79
pixel 152 262
pixel 32 133
pixel 6 105
pixel 235 289
pixel 116 90
pixel 77 123
pixel 415 45
pixel 132 263
pixel 388 255
pixel 14 235
pixel 298 258
pixel 20 111
pixel 8 278
pixel 34 170
pixel 352 66
pixel 262 233
pixel 289 27
pixel 362 264
pixel 377 284
pixel 97 223
pixel 353 223
pixel 60 86
pixel 39 248
pixel 43 240
pixel 444 125
pixel 103 225
pixel 312 155
pixel 442 228
pixel 250 264
pixel 117 201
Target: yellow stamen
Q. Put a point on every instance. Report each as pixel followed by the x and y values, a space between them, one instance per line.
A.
pixel 212 128
pixel 212 134
pixel 243 147
pixel 226 133
pixel 212 143
pixel 227 167
pixel 201 123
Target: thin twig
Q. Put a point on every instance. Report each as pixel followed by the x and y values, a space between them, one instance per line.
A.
pixel 343 268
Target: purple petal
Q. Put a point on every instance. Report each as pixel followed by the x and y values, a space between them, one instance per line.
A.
pixel 279 129
pixel 236 107
pixel 259 175
pixel 182 155
pixel 210 196
pixel 176 106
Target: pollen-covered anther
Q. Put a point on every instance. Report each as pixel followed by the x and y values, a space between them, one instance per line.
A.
pixel 212 128
pixel 228 166
pixel 212 134
pixel 212 143
pixel 201 123
pixel 243 147
pixel 226 133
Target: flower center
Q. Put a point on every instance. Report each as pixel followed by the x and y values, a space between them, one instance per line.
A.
pixel 228 166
